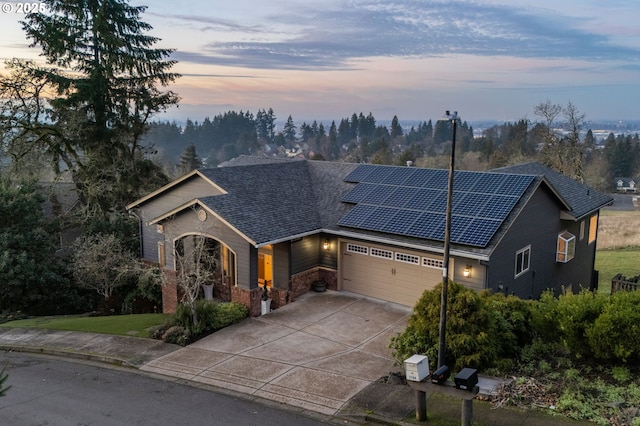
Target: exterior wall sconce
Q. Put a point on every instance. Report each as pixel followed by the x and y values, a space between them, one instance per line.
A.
pixel 467 271
pixel 326 245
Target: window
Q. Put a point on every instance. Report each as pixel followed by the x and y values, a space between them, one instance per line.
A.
pixel 593 228
pixel 430 262
pixel 522 260
pixel 161 261
pixel 355 248
pixel 566 247
pixel 407 258
pixel 582 226
pixel 385 254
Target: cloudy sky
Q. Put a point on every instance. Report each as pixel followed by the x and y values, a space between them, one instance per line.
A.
pixel 325 59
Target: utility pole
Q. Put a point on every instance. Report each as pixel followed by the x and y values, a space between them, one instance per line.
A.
pixel 447 237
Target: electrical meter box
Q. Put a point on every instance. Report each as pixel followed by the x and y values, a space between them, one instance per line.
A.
pixel 416 368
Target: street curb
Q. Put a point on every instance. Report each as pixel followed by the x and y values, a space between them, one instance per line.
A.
pixel 70 354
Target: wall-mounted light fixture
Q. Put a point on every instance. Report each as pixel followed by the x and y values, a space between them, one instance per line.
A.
pixel 326 245
pixel 467 271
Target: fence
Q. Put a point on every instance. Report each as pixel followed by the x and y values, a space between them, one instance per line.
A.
pixel 621 283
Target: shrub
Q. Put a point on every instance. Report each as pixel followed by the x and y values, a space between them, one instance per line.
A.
pixel 615 334
pixel 176 335
pixel 575 314
pixel 483 329
pixel 212 316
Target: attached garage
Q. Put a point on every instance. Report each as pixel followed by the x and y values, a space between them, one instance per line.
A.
pixel 399 276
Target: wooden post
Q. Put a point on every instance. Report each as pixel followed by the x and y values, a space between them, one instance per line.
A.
pixel 467 412
pixel 425 387
pixel 421 405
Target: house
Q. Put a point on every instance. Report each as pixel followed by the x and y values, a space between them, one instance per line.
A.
pixel 626 185
pixel 374 230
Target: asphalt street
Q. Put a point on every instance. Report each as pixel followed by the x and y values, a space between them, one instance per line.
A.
pixel 48 390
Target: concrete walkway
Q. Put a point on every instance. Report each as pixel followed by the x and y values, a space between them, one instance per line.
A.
pixel 315 354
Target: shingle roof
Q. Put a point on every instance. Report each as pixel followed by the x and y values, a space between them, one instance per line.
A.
pixel 265 202
pixel 271 201
pixel 582 199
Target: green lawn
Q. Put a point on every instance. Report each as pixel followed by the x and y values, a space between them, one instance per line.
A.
pixel 612 262
pixel 123 325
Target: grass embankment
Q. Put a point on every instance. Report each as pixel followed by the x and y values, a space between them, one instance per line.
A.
pixel 618 249
pixel 122 325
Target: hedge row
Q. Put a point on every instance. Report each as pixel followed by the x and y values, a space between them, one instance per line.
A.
pixel 488 330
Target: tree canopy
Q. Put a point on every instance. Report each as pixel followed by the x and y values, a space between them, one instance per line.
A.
pixel 88 107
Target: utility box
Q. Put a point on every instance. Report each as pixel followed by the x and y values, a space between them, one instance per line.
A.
pixel 416 368
pixel 466 379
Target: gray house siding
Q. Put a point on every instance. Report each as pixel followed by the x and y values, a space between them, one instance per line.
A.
pixel 170 199
pixel 536 227
pixel 281 269
pixel 577 273
pixel 184 224
pixel 328 258
pixel 304 254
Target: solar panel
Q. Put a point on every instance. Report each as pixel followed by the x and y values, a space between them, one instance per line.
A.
pixel 357 216
pixel 400 197
pixel 412 202
pixel 359 193
pixel 401 222
pixel 360 173
pixel 379 194
pixel 399 175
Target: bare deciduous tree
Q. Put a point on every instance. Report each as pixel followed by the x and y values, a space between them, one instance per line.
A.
pixel 197 261
pixel 562 151
pixel 102 263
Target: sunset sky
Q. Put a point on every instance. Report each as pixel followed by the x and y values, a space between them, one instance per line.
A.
pixel 326 59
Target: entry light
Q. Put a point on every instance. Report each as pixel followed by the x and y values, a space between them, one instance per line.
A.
pixel 467 271
pixel 326 245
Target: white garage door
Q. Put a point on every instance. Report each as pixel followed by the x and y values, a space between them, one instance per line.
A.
pixel 398 276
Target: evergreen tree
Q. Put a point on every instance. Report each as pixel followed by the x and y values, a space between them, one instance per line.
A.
pixel 289 132
pixel 334 149
pixel 189 160
pixel 32 277
pixel 103 75
pixel 396 128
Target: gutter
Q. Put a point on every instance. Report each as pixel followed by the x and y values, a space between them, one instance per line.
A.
pixel 354 235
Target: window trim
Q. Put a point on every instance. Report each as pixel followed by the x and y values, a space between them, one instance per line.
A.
pixel 593 229
pixel 519 264
pixel 568 241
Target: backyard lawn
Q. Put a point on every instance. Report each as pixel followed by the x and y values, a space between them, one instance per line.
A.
pixel 123 325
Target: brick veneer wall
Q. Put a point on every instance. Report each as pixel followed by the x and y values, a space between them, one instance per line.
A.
pixel 169 292
pixel 250 298
pixel 299 285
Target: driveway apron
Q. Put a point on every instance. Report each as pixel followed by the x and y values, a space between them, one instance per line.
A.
pixel 315 354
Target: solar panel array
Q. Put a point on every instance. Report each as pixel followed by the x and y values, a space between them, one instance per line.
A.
pixel 412 202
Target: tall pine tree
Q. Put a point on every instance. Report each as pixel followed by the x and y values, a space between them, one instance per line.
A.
pixel 104 76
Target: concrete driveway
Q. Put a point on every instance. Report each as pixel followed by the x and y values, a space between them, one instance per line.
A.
pixel 315 354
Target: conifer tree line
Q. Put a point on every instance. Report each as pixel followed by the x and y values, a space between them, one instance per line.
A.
pixel 557 139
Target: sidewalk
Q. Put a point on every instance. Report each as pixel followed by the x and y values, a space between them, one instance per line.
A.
pixel 326 355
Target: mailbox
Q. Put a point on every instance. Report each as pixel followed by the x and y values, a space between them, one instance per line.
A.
pixel 440 375
pixel 416 368
pixel 466 379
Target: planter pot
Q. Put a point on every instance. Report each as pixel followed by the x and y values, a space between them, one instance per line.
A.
pixel 319 286
pixel 265 306
pixel 208 291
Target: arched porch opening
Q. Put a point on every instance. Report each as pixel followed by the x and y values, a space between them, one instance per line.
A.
pixel 205 267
